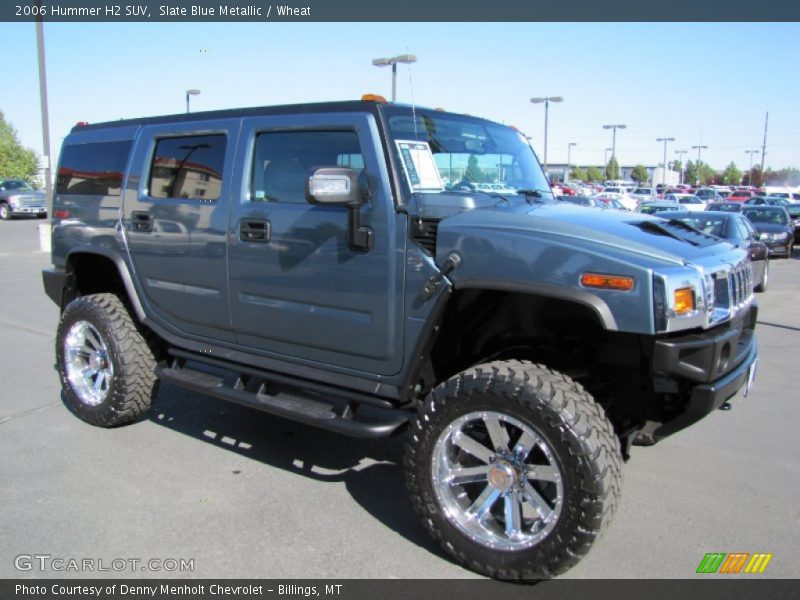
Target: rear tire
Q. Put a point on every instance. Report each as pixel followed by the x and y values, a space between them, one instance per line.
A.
pixel 107 369
pixel 545 445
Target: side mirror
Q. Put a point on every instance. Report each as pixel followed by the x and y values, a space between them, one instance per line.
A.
pixel 340 186
pixel 334 185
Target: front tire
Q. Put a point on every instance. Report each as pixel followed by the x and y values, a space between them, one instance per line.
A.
pixel 514 469
pixel 5 212
pixel 764 283
pixel 106 367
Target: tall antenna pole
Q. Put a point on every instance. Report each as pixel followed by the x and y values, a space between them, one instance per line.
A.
pixel 764 147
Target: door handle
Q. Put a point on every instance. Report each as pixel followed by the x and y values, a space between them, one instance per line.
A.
pixel 254 230
pixel 142 221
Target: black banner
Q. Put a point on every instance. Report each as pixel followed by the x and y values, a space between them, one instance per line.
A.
pixel 401 11
pixel 714 588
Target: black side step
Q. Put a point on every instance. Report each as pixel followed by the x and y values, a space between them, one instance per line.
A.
pixel 285 403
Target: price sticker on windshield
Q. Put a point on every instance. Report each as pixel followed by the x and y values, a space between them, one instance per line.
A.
pixel 419 165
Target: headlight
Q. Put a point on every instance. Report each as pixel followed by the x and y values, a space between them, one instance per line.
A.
pixel 13 200
pixel 781 237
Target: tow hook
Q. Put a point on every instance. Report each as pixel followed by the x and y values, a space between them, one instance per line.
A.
pixel 452 262
pixel 725 406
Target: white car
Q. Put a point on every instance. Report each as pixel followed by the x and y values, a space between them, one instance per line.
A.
pixel 642 194
pixel 621 194
pixel 687 201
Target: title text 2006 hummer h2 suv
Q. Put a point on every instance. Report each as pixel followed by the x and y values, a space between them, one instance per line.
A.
pixel 372 268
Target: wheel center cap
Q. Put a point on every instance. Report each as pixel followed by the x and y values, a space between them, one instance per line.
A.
pixel 501 477
pixel 97 361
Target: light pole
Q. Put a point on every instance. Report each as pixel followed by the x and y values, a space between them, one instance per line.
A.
pixel 385 62
pixel 698 148
pixel 681 153
pixel 190 93
pixel 664 172
pixel 614 137
pixel 48 181
pixel 750 170
pixel 569 154
pixel 547 102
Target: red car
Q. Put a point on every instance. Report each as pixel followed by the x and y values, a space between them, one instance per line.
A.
pixel 740 196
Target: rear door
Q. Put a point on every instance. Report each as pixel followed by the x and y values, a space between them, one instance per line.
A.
pixel 175 220
pixel 297 289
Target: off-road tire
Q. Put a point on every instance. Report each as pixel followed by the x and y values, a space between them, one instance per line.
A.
pixel 582 439
pixel 134 383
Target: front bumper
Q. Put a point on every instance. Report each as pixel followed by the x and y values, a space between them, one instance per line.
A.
pixel 718 364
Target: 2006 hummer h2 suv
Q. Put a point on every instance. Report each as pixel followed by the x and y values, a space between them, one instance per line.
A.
pixel 372 268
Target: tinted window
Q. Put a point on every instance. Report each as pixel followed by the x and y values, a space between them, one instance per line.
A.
pixel 188 167
pixel 94 169
pixel 284 160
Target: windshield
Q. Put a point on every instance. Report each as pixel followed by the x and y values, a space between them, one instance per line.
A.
pixel 442 152
pixel 13 184
pixel 765 215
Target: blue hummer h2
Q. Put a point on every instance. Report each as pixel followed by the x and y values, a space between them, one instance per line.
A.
pixel 371 268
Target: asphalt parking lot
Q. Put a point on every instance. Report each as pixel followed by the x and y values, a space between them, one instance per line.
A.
pixel 245 494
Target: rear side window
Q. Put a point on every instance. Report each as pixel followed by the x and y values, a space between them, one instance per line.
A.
pixel 94 169
pixel 284 160
pixel 188 167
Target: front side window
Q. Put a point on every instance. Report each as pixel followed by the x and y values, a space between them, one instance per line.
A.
pixel 188 167
pixel 468 154
pixel 283 161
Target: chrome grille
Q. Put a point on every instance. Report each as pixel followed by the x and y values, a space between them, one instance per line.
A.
pixel 741 285
pixel 29 200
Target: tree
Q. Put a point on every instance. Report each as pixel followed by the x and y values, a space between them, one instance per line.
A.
pixel 612 168
pixel 731 175
pixel 15 160
pixel 578 173
pixel 594 174
pixel 473 172
pixel 789 177
pixel 754 177
pixel 707 174
pixel 640 174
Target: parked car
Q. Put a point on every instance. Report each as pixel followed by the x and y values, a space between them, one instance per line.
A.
pixel 794 214
pixel 520 343
pixel 19 198
pixel 775 227
pixel 614 199
pixel 657 206
pixel 687 201
pixel 642 194
pixel 725 206
pixel 589 201
pixel 740 195
pixel 770 200
pixel 708 194
pixel 737 230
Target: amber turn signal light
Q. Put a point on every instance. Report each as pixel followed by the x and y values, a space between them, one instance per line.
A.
pixel 373 98
pixel 607 282
pixel 684 301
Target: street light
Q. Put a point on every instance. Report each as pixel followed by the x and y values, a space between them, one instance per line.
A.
pixel 750 170
pixel 547 102
pixel 681 153
pixel 664 171
pixel 614 138
pixel 698 148
pixel 190 93
pixel 385 62
pixel 569 153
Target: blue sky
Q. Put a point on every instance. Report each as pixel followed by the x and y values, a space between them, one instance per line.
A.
pixel 705 84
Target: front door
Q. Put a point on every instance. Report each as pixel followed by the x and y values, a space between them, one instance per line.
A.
pixel 297 290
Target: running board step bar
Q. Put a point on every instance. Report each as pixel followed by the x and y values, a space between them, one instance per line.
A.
pixel 264 394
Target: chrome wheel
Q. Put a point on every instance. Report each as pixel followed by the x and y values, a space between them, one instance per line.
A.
pixel 87 364
pixel 497 480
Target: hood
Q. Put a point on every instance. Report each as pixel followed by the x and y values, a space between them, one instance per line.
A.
pixel 605 231
pixel 771 228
